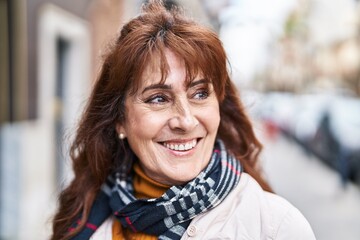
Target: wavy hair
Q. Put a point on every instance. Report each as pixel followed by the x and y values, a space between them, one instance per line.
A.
pixel 96 151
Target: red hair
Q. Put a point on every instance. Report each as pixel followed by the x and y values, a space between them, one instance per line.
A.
pixel 96 151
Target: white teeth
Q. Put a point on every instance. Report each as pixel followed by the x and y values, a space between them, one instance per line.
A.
pixel 181 147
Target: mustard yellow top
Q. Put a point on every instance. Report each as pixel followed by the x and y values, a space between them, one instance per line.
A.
pixel 144 187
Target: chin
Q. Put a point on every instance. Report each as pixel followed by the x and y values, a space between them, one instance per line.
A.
pixel 182 177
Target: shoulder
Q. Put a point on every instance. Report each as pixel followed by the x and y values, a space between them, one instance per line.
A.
pixel 281 220
pixel 251 213
pixel 286 221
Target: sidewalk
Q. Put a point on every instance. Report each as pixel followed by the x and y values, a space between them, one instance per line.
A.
pixel 333 212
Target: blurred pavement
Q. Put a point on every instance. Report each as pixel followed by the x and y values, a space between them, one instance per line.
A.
pixel 315 189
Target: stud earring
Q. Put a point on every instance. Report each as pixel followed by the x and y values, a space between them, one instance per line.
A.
pixel 121 136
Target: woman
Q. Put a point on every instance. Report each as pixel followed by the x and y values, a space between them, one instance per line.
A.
pixel 164 148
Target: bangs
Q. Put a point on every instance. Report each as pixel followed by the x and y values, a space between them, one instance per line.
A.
pixel 199 58
pixel 144 41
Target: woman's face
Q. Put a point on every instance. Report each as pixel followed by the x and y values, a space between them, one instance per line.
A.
pixel 172 127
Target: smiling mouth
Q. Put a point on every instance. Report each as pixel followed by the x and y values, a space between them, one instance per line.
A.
pixel 185 146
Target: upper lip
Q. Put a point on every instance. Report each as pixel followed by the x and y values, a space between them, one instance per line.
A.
pixel 180 141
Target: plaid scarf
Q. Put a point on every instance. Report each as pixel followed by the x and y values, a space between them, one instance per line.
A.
pixel 169 215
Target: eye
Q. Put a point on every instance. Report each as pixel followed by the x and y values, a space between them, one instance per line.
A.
pixel 201 94
pixel 157 99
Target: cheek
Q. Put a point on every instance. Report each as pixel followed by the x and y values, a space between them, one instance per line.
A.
pixel 144 125
pixel 211 118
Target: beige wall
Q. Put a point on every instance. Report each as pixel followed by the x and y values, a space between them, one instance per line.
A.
pixel 17 73
pixel 106 18
pixel 3 63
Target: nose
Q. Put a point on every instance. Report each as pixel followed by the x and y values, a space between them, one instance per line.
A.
pixel 183 118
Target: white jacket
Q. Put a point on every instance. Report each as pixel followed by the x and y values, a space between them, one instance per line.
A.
pixel 247 213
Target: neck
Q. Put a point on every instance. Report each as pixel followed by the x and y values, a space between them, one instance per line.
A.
pixel 145 187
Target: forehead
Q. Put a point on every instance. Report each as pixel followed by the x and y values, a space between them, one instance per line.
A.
pixel 160 68
pixel 168 69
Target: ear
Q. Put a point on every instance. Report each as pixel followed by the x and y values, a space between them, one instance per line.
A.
pixel 120 129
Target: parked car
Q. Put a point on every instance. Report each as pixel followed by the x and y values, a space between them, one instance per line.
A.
pixel 327 126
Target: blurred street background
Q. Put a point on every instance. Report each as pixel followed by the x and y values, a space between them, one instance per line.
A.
pixel 296 64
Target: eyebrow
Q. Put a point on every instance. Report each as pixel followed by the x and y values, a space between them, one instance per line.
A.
pixel 197 82
pixel 167 87
pixel 157 86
